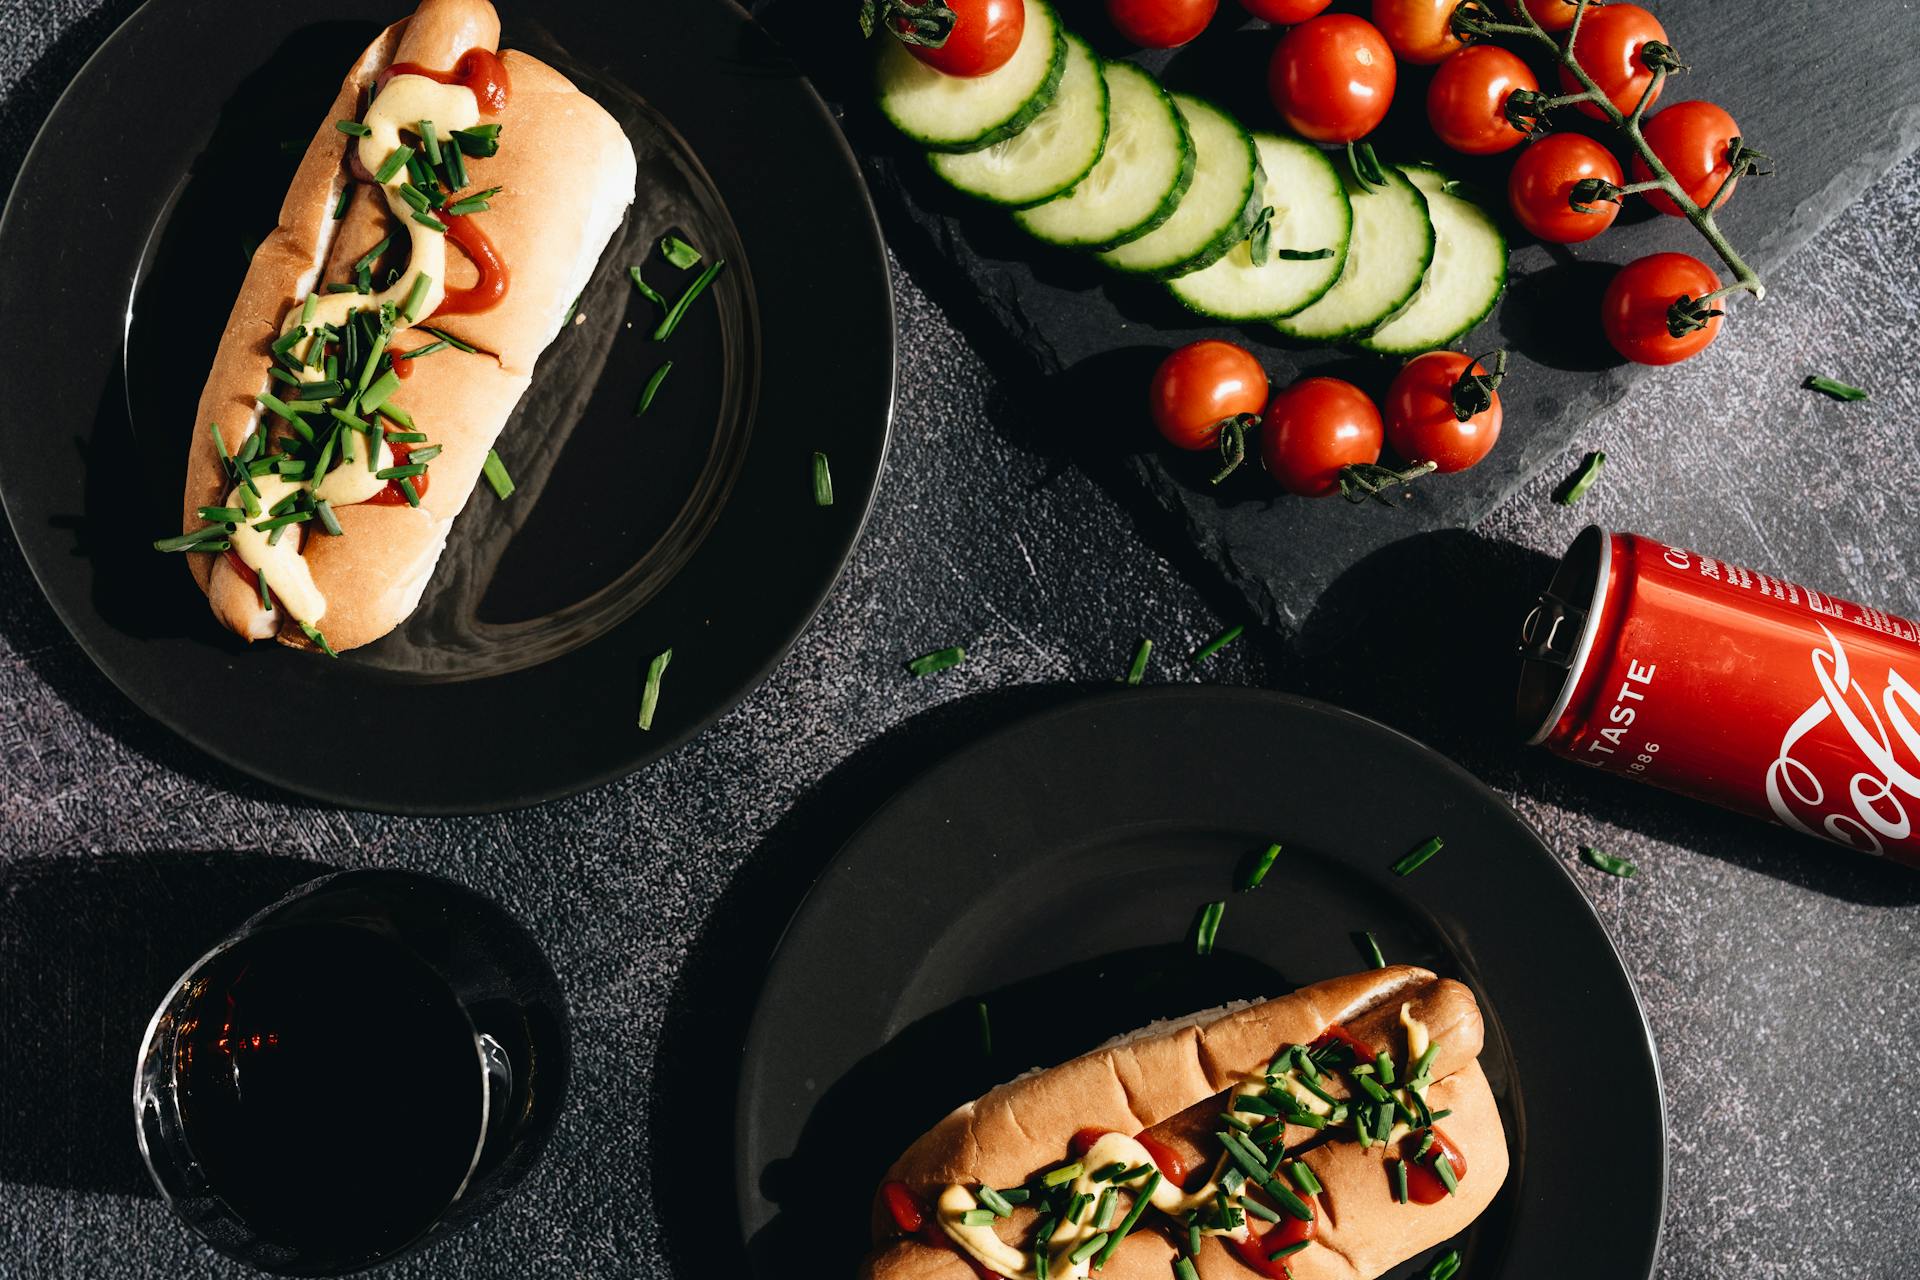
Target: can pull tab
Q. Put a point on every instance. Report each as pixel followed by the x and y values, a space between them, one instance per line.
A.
pixel 1552 630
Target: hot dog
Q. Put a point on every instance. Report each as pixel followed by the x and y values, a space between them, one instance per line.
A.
pixel 448 210
pixel 1358 1130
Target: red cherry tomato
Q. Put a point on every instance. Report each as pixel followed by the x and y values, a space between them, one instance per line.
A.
pixel 1540 188
pixel 1692 139
pixel 1552 15
pixel 1634 310
pixel 1263 1239
pixel 1609 45
pixel 985 34
pixel 1313 429
pixel 1466 101
pixel 1161 24
pixel 1421 425
pixel 1285 13
pixel 1202 385
pixel 1423 1184
pixel 1419 31
pixel 1332 78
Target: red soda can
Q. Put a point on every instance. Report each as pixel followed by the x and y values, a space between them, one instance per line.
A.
pixel 1732 686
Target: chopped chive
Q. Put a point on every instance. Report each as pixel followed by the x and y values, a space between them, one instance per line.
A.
pixel 1087 1248
pixel 401 472
pixel 1042 1254
pixel 1229 1118
pixel 647 291
pixel 278 522
pixel 1103 1212
pixel 480 141
pixel 366 260
pixel 1259 1210
pixel 678 252
pixel 1400 1181
pixel 376 395
pixel 939 660
pixel 679 309
pixel 566 321
pixel 319 641
pixel 1108 1172
pixel 1444 1167
pixel 1216 644
pixel 1415 860
pixel 1183 1268
pixel 1138 670
pixel 1369 1086
pixel 414 196
pixel 1425 1061
pixel 279 408
pixel 1063 1175
pixel 986 1027
pixel 266 592
pixel 1426 1145
pixel 1269 1133
pixel 411 494
pixel 1444 1267
pixel 496 473
pixel 1583 479
pixel 1833 387
pixel 427 454
pixel 416 295
pixel 338 286
pixel 1304 1179
pixel 428 140
pixel 822 479
pixel 1383 1066
pixel 188 541
pixel 1607 862
pixel 222 515
pixel 470 205
pixel 450 340
pixel 353 128
pixel 1288 1250
pixel 406 437
pixel 1369 949
pixel 994 1201
pixel 421 353
pixel 976 1217
pixel 1314 1088
pixel 1015 1195
pixel 390 410
pixel 1244 1155
pixel 1255 1103
pixel 1077 1207
pixel 328 521
pixel 1208 927
pixel 1140 1203
pixel 456 168
pixel 650 695
pixel 394 163
pixel 431 222
pixel 653 386
pixel 1292 1203
pixel 1261 865
pixel 1438 1116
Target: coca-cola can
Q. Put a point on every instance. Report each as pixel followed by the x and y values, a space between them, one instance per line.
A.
pixel 1739 688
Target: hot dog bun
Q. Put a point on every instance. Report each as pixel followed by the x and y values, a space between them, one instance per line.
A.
pixel 566 172
pixel 1175 1079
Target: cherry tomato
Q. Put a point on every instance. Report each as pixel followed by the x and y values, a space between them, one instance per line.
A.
pixel 1419 31
pixel 1263 1239
pixel 1692 139
pixel 1634 310
pixel 1466 101
pixel 1285 13
pixel 1332 78
pixel 1552 15
pixel 1161 24
pixel 985 34
pixel 1424 1186
pixel 1421 425
pixel 1609 45
pixel 1313 429
pixel 1540 188
pixel 1202 385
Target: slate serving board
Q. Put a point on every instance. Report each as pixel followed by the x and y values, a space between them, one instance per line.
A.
pixel 1090 339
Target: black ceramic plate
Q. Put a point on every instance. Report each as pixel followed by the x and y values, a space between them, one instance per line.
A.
pixel 1071 853
pixel 693 528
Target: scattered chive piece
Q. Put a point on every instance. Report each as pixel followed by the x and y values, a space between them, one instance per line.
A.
pixel 1445 1266
pixel 407 491
pixel 647 291
pixel 1415 860
pixel 1138 670
pixel 1303 1178
pixel 1607 862
pixel 427 454
pixel 1370 949
pixel 1015 1195
pixel 1256 1104
pixel 278 522
pixel 376 395
pixel 1088 1248
pixel 222 515
pixel 188 541
pixel 471 204
pixel 1208 928
pixel 822 479
pixel 266 592
pixel 394 163
pixel 450 340
pixel 456 168
pixel 1583 479
pixel 278 406
pixel 319 641
pixel 653 385
pixel 416 295
pixel 1426 1145
pixel 1292 1203
pixel 986 1027
pixel 428 140
pixel 1108 1172
pixel 678 252
pixel 480 141
pixel 1183 1268
pixel 428 220
pixel 366 260
pixel 1444 1167
pixel 1063 1175
pixel 1243 1155
pixel 1425 1062
pixel 1234 1120
pixel 1077 1207
pixel 1140 1203
pixel 1288 1250
pixel 1833 387
pixel 1400 1181
pixel 679 309
pixel 328 521
pixel 420 353
pixel 1259 1210
pixel 1042 1254
pixel 496 474
pixel 406 437
pixel 976 1217
pixel 414 196
pixel 399 415
pixel 402 472
pixel 353 128
pixel 939 660
pixel 1383 1066
pixel 650 695
pixel 567 320
pixel 996 1202
pixel 1216 644
pixel 1262 865
pixel 1103 1212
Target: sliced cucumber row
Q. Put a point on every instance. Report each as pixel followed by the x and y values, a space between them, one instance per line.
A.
pixel 1140 179
pixel 1388 256
pixel 1218 209
pixel 1468 272
pixel 1048 156
pixel 1309 213
pixel 955 113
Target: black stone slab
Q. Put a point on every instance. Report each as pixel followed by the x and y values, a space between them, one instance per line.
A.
pixel 1092 338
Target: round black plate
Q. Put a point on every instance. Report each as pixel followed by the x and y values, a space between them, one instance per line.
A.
pixel 1054 872
pixel 693 528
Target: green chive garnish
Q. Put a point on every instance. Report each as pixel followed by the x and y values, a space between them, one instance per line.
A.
pixel 653 386
pixel 406 437
pixel 977 1217
pixel 376 395
pixel 414 196
pixel 1140 1203
pixel 1216 644
pixel 1445 1266
pixel 1370 949
pixel 1415 860
pixel 328 521
pixel 428 141
pixel 1292 1203
pixel 647 291
pixel 1183 1269
pixel 480 141
pixel 1063 1175
pixel 1288 1250
pixel 650 695
pixel 1015 1195
pixel 1108 1172
pixel 407 491
pixel 1303 1178
pixel 986 1027
pixel 1138 670
pixel 1832 387
pixel 280 408
pixel 1583 479
pixel 450 340
pixel 429 221
pixel 1262 865
pixel 1088 1248
pixel 1259 1210
pixel 427 454
pixel 222 515
pixel 1444 1167
pixel 277 522
pixel 1426 1145
pixel 472 204
pixel 401 472
pixel 939 660
pixel 1103 1212
pixel 1077 1207
pixel 1607 862
pixel 366 260
pixel 456 168
pixel 353 128
pixel 496 473
pixel 1244 1155
pixel 822 479
pixel 994 1201
pixel 1255 1103
pixel 394 163
pixel 678 252
pixel 679 309
pixel 319 641
pixel 190 541
pixel 1424 1062
pixel 1400 1181
pixel 416 295
pixel 1208 927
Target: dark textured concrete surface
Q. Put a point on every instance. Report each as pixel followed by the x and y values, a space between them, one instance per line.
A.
pixel 1780 975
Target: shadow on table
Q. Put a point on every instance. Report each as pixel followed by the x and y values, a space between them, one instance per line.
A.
pixel 88 946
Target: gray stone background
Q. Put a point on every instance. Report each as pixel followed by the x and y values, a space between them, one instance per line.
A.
pixel 1780 975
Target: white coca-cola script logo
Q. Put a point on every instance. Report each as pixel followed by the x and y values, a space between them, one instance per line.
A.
pixel 1879 793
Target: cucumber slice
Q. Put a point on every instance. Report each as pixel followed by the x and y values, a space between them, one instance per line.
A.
pixel 1468 273
pixel 1048 156
pixel 1141 176
pixel 1217 210
pixel 1391 249
pixel 956 113
pixel 1310 212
